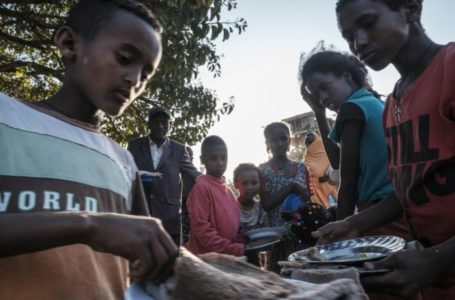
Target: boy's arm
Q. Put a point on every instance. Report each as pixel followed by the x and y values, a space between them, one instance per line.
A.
pixel 199 207
pixel 412 270
pixel 349 168
pixel 141 240
pixel 385 211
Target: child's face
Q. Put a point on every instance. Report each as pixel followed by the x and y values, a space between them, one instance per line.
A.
pixel 215 160
pixel 112 70
pixel 248 184
pixel 278 142
pixel 331 90
pixel 375 33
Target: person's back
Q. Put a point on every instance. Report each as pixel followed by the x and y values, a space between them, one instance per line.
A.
pixel 317 162
pixel 66 189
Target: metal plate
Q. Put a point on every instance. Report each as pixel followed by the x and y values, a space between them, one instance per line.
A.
pixel 264 232
pixel 351 251
pixel 365 272
pixel 261 239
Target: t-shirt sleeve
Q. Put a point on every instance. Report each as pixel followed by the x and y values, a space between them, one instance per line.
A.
pixel 348 112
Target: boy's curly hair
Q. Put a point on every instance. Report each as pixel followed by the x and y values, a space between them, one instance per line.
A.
pixel 86 17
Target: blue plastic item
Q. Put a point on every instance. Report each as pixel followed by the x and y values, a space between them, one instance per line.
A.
pixel 291 202
pixel 147 179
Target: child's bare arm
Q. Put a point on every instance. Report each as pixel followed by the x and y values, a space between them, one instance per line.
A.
pixel 271 200
pixel 141 240
pixel 349 168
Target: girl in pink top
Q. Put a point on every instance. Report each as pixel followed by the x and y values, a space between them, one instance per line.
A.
pixel 213 209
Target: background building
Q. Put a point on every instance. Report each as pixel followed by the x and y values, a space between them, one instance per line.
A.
pixel 301 125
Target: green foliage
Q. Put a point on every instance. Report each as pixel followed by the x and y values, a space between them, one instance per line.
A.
pixel 31 68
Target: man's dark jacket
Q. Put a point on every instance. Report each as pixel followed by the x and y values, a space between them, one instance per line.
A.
pixel 164 194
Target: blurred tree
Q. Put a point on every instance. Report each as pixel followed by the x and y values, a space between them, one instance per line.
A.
pixel 31 68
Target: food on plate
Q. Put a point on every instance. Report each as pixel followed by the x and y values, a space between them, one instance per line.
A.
pixel 313 254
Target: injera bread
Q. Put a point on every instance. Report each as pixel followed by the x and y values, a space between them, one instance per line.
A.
pixel 215 276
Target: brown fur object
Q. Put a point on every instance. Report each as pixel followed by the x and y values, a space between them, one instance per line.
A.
pixel 215 276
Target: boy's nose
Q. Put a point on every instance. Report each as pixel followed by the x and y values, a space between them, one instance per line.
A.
pixel 360 40
pixel 133 77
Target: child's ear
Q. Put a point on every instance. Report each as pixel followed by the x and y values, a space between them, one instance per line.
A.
pixel 413 11
pixel 66 41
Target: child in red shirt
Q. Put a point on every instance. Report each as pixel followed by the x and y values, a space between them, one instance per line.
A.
pixel 213 209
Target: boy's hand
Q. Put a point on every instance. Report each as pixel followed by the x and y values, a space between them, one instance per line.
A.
pixel 334 231
pixel 411 271
pixel 141 240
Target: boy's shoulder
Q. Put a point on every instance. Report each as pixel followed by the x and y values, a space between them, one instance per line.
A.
pixel 26 119
pixel 203 180
pixel 448 52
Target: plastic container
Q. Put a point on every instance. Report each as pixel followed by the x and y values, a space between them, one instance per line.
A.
pixel 291 203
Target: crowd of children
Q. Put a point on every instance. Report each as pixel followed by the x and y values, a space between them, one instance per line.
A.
pixel 73 212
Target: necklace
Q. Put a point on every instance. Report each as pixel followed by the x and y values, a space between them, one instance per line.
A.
pixel 403 84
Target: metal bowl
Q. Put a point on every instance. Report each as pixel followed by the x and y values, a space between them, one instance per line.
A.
pixel 353 251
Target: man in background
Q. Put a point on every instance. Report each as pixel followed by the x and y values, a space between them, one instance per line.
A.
pixel 158 153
